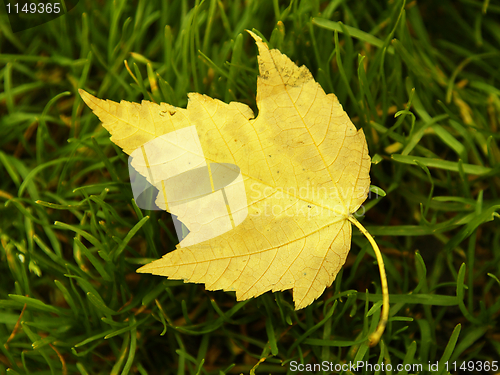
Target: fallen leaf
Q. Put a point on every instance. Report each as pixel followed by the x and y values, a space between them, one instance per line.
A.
pixel 304 169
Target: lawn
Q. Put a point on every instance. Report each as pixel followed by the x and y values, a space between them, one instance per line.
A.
pixel 420 78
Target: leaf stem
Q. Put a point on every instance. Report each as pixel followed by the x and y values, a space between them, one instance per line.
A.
pixel 375 336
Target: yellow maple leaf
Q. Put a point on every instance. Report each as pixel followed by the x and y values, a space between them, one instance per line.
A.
pixel 302 165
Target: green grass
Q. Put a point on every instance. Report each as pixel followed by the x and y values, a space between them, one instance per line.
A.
pixel 422 81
